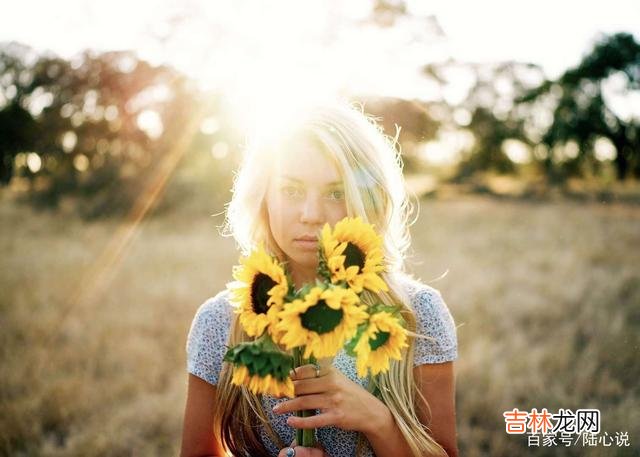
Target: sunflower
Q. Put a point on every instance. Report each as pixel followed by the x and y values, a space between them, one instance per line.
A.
pixel 352 252
pixel 262 367
pixel 321 321
pixel 258 292
pixel 383 339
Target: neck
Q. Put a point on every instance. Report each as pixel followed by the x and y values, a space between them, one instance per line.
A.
pixel 301 275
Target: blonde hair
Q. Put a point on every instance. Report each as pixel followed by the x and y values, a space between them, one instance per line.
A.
pixel 371 170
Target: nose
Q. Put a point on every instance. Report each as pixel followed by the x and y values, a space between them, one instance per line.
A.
pixel 312 212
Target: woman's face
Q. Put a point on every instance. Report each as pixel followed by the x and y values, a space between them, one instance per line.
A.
pixel 305 191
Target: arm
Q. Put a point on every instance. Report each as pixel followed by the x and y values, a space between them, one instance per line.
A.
pixel 433 371
pixel 197 433
pixel 205 351
pixel 437 384
pixel 385 437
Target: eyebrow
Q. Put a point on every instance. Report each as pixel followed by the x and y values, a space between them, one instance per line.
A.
pixel 300 181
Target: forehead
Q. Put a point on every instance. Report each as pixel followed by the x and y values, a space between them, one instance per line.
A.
pixel 304 160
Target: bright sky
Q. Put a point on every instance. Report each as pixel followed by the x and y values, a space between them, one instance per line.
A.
pixel 259 54
pixel 552 33
pixel 250 47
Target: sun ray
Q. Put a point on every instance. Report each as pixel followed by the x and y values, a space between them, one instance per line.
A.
pixel 100 273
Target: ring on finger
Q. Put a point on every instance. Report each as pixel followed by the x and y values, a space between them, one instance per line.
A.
pixel 291 452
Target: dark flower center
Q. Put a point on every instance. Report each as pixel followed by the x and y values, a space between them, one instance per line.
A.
pixel 353 256
pixel 379 340
pixel 262 284
pixel 321 318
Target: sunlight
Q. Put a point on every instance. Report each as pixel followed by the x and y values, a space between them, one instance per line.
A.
pixel 220 150
pixel 150 122
pixel 274 59
pixel 262 103
pixel 620 98
pixel 69 141
pixel 81 162
pixel 209 125
pixel 604 149
pixel 516 150
pixel 448 147
pixel 34 162
pixel 99 274
pixel 268 58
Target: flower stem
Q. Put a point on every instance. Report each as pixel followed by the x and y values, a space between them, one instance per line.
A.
pixel 304 437
pixel 308 434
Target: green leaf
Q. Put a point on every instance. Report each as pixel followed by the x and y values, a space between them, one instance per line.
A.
pixel 228 357
pixel 260 362
pixel 246 358
pixel 265 369
pixel 350 345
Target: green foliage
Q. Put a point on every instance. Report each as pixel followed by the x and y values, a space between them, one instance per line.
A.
pixel 582 115
pixel 261 357
pixel 84 124
pixel 507 100
pixel 76 130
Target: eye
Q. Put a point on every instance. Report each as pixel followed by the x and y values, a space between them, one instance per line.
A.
pixel 291 191
pixel 336 194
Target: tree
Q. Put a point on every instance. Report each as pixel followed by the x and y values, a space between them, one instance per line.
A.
pixel 581 113
pixel 486 109
pixel 98 124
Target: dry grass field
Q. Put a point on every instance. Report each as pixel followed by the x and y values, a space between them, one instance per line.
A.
pixel 546 295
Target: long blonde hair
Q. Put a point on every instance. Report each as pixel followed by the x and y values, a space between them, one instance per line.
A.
pixel 371 170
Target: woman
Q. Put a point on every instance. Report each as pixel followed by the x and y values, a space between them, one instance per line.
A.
pixel 331 161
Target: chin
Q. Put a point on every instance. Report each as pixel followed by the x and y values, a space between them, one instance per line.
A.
pixel 305 259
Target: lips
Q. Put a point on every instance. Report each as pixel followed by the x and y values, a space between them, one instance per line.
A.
pixel 306 243
pixel 307 238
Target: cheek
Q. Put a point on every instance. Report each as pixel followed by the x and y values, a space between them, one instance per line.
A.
pixel 280 217
pixel 336 213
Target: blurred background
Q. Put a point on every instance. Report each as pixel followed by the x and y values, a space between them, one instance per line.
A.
pixel 121 124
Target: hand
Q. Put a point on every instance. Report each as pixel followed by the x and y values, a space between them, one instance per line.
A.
pixel 342 402
pixel 304 451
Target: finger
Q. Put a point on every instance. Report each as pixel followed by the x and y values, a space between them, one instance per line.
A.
pixel 312 386
pixel 304 372
pixel 318 445
pixel 314 401
pixel 315 452
pixel 308 371
pixel 315 421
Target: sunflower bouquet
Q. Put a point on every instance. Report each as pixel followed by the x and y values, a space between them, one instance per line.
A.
pixel 294 327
